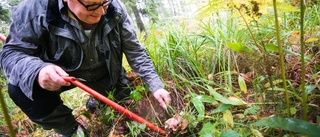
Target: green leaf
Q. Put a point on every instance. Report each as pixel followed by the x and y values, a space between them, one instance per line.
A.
pixel 228 119
pixel 142 126
pixel 135 95
pixel 312 40
pixel 274 82
pixel 242 84
pixel 221 108
pixel 290 124
pixel 272 47
pixel 199 106
pixel 230 133
pixel 256 133
pixel 198 100
pixel 310 88
pixel 208 9
pixel 206 98
pixel 207 130
pixel 293 110
pixel 252 110
pixel 140 88
pixel 221 98
pixel 238 47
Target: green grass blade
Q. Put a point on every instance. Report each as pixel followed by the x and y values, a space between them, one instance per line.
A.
pixel 242 84
pixel 238 47
pixel 199 107
pixel 221 98
pixel 221 108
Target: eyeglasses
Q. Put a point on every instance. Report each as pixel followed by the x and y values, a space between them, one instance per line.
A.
pixel 93 7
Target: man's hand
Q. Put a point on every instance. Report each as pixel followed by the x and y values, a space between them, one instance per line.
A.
pixel 50 78
pixel 163 97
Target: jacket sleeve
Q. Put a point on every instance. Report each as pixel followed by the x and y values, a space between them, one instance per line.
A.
pixel 137 56
pixel 19 57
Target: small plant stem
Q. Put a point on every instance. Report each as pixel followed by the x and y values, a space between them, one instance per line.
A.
pixel 266 62
pixel 303 84
pixel 6 114
pixel 283 72
pixel 154 111
pixel 250 31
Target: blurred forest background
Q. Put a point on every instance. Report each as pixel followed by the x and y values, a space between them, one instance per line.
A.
pixel 234 68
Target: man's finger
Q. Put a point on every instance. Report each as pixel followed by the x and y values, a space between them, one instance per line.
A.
pixel 161 102
pixel 60 71
pixel 163 97
pixel 167 98
pixel 58 79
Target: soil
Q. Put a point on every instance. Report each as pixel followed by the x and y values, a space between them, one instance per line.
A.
pixel 147 108
pixel 96 124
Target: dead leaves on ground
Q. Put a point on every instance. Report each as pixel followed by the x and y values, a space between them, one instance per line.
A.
pixel 176 124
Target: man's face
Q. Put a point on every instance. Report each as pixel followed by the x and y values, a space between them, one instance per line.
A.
pixel 88 11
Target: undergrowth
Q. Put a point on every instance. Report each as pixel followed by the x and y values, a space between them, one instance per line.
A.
pixel 224 74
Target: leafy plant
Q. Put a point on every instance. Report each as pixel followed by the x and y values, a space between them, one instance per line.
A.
pixel 135 128
pixel 290 124
pixel 136 94
pixel 208 130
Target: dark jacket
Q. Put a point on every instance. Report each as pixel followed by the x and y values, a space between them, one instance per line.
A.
pixel 42 33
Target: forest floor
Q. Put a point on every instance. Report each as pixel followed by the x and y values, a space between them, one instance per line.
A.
pixel 105 121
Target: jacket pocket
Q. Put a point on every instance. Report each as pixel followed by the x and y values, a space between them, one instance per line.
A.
pixel 64 53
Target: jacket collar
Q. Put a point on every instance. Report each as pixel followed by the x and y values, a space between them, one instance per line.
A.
pixel 53 13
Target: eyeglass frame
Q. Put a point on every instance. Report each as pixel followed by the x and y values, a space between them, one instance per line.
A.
pixel 103 4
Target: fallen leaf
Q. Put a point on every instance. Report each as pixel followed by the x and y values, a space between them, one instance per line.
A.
pixel 228 118
pixel 294 37
pixel 238 100
pixel 210 77
pixel 176 123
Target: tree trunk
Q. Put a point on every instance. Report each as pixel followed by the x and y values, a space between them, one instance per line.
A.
pixel 139 21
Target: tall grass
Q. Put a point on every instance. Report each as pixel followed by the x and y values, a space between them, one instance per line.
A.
pixel 178 56
pixel 197 60
pixel 211 65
